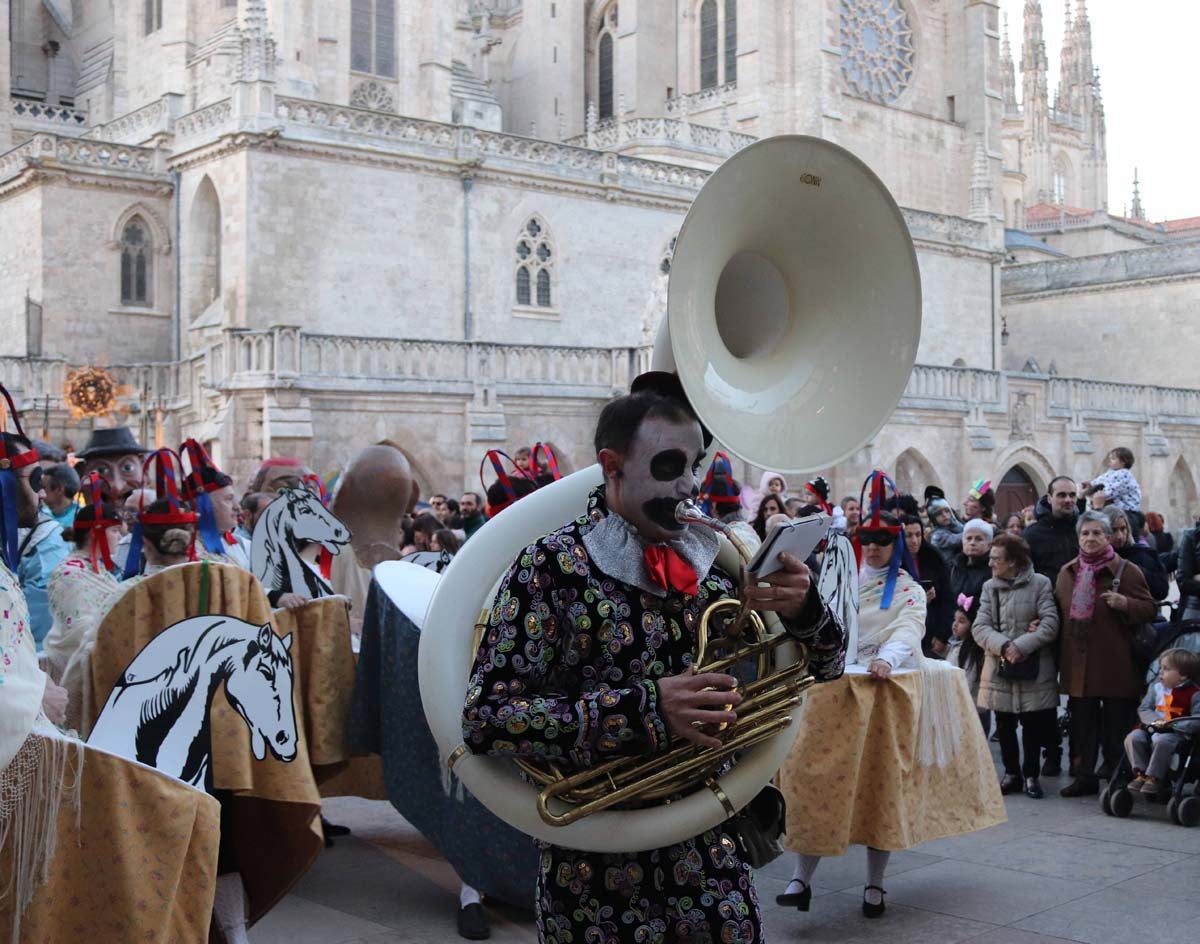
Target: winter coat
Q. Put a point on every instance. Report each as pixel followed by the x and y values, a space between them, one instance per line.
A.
pixel 1052 541
pixel 1021 600
pixel 939 612
pixel 1095 657
pixel 1150 566
pixel 968 575
pixel 1187 573
pixel 947 539
pixel 1161 705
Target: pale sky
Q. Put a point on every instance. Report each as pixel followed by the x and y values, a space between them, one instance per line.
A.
pixel 1147 54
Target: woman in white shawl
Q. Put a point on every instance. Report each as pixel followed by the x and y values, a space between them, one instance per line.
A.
pixel 82 587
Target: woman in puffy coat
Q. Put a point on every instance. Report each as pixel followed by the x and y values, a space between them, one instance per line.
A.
pixel 1018 620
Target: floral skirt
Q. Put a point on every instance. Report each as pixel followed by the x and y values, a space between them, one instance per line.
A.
pixel 698 891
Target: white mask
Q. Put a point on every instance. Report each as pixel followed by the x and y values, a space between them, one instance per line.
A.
pixel 658 472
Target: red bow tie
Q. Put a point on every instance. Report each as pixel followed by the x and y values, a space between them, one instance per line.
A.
pixel 669 570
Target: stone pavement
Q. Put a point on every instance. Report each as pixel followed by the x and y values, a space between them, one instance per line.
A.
pixel 1058 870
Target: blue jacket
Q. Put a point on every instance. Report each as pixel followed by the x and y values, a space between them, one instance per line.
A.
pixel 42 549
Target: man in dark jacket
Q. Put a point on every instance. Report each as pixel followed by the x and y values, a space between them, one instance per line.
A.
pixel 1052 544
pixel 1052 540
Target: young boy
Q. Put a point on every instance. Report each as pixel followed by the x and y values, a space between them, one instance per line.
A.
pixel 1148 747
pixel 947 533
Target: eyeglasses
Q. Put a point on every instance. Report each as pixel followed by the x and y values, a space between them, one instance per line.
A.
pixel 881 538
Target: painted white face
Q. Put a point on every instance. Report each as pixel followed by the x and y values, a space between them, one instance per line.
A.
pixel 658 472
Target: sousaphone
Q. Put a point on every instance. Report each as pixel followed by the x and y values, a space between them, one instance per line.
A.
pixel 795 315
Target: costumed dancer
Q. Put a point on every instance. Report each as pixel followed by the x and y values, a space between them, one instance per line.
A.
pixel 165 529
pixel 893 736
pixel 590 689
pixel 32 769
pixel 816 492
pixel 210 491
pixel 83 586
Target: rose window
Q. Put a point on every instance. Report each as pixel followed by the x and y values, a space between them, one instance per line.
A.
pixel 877 48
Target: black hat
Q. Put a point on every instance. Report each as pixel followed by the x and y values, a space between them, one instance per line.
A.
pixel 932 492
pixel 111 442
pixel 667 384
pixel 819 487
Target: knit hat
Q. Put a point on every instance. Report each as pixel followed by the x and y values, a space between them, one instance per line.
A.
pixel 978 524
pixel 938 504
pixel 932 492
pixel 820 488
pixel 718 487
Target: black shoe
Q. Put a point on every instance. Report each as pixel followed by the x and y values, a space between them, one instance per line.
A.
pixel 1052 768
pixel 799 900
pixel 333 829
pixel 1080 788
pixel 473 923
pixel 870 910
pixel 1033 789
pixel 1010 783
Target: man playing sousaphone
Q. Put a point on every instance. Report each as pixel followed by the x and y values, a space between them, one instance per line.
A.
pixel 587 656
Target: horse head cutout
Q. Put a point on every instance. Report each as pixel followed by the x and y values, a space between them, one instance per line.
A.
pixel 294 519
pixel 158 712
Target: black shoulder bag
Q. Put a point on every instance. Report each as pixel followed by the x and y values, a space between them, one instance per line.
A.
pixel 1144 639
pixel 1024 671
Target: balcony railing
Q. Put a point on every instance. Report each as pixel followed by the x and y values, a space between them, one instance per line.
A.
pixel 38 116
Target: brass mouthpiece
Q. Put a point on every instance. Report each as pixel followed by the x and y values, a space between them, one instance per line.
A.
pixel 688 512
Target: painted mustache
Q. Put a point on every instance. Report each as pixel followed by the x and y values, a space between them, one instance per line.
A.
pixel 662 512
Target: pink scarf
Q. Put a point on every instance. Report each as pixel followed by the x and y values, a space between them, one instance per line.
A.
pixel 1083 596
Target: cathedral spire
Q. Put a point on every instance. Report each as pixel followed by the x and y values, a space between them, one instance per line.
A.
pixel 1135 211
pixel 257 45
pixel 1066 98
pixel 1033 60
pixel 1008 71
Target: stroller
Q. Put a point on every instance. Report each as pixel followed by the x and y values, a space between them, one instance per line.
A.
pixel 1183 797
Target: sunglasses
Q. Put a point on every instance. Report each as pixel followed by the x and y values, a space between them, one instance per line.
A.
pixel 881 538
pixel 35 478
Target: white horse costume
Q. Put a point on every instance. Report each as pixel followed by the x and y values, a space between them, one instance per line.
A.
pixel 158 711
pixel 296 516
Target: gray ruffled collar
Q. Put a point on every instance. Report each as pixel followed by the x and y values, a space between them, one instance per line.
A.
pixel 616 548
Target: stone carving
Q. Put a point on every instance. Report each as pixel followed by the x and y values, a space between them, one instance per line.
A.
pixel 1021 418
pixel 372 95
pixel 877 48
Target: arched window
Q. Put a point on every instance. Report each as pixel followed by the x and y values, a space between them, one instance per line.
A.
pixel 604 87
pixel 709 61
pixel 730 41
pixel 373 37
pixel 152 16
pixel 137 264
pixel 1062 177
pixel 535 266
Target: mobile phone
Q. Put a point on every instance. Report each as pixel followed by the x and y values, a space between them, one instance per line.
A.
pixel 798 538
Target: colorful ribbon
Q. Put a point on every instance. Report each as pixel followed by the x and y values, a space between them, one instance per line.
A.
pixel 669 570
pixel 879 484
pixel 165 487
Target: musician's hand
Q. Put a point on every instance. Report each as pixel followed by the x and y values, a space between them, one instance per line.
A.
pixel 292 601
pixel 54 702
pixel 683 703
pixel 786 589
pixel 880 669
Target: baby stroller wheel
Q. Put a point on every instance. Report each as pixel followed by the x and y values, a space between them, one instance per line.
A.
pixel 1173 810
pixel 1120 802
pixel 1188 812
pixel 1105 801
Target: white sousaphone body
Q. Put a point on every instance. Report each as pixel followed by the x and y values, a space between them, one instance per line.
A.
pixel 795 315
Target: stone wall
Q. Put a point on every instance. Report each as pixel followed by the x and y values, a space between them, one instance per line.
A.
pixel 1114 316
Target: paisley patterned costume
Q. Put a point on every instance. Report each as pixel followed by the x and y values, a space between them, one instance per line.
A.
pixel 566 670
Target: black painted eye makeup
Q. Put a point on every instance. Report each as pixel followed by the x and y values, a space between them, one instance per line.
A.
pixel 668 465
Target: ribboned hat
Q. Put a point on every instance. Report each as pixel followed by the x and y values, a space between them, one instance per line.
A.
pixel 115 441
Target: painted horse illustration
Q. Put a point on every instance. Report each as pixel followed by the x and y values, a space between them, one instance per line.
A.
pixel 158 710
pixel 294 518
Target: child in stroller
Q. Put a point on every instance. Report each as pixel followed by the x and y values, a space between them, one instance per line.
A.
pixel 1170 725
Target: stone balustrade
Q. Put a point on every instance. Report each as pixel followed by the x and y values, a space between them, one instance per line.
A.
pixel 1153 262
pixel 39 116
pixel 614 134
pixel 287 356
pixel 703 100
pixel 66 151
pixel 142 124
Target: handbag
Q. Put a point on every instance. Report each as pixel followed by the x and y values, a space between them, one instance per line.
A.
pixel 1024 671
pixel 759 826
pixel 1144 639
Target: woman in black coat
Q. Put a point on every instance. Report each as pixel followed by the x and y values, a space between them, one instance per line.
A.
pixel 929 569
pixel 1124 542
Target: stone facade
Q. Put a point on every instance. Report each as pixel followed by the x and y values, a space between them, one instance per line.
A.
pixel 456 233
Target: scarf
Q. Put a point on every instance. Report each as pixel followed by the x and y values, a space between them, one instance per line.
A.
pixel 1083 594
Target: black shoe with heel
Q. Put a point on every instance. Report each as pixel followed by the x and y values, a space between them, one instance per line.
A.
pixel 870 910
pixel 473 923
pixel 1010 783
pixel 1033 789
pixel 799 900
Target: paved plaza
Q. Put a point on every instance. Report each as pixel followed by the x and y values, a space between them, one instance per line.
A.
pixel 1058 870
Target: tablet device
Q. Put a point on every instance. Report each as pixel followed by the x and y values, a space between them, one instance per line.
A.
pixel 799 538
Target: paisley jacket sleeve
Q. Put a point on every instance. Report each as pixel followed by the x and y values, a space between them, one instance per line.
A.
pixel 528 694
pixel 818 630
